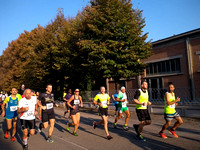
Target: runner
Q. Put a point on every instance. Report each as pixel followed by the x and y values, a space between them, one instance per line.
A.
pixel 66 98
pixel 47 101
pixel 3 96
pixel 103 100
pixel 27 109
pixel 115 103
pixel 64 94
pixel 11 113
pixel 170 112
pixel 74 103
pixel 141 99
pixel 40 109
pixel 122 107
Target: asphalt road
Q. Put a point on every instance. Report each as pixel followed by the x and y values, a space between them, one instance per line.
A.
pixel 94 139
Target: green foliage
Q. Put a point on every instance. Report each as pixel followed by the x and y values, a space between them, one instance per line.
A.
pixel 105 40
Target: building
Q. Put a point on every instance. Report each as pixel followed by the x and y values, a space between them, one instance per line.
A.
pixel 175 59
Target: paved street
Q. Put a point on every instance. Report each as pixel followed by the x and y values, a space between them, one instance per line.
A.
pixel 189 135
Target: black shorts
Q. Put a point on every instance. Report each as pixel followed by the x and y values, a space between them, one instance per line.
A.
pixel 143 114
pixel 74 111
pixel 116 107
pixel 103 111
pixel 46 116
pixel 27 124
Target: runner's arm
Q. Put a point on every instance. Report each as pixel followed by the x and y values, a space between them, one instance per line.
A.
pixel 21 110
pixel 40 105
pixel 81 101
pixel 167 97
pixel 118 100
pixel 136 97
pixel 69 101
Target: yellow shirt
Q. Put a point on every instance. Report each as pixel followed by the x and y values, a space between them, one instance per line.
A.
pixel 103 99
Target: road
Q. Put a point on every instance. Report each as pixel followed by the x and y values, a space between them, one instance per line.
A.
pixel 94 139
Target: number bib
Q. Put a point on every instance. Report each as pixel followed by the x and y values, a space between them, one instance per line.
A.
pixel 13 108
pixel 30 113
pixel 76 102
pixel 104 103
pixel 124 104
pixel 172 106
pixel 49 106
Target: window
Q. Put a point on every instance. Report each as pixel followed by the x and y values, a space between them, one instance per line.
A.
pixel 164 67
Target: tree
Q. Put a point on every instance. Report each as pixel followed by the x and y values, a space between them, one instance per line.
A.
pixel 113 44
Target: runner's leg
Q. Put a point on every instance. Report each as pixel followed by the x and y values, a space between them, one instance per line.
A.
pixel 51 127
pixel 118 117
pixel 105 120
pixel 14 126
pixel 178 122
pixel 127 117
pixel 166 125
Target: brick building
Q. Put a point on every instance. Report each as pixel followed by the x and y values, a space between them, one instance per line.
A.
pixel 175 59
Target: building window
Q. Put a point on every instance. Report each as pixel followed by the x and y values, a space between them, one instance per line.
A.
pixel 164 67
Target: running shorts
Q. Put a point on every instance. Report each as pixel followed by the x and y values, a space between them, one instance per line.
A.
pixel 122 109
pixel 46 116
pixel 170 117
pixel 74 111
pixel 103 111
pixel 143 114
pixel 27 124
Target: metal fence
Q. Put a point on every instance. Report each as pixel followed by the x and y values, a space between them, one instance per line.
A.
pixel 156 96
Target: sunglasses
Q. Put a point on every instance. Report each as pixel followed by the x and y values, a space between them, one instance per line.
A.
pixel 76 91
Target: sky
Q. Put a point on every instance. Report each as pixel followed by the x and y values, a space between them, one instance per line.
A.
pixel 164 18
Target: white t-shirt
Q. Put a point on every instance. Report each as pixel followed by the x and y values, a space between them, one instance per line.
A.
pixel 29 114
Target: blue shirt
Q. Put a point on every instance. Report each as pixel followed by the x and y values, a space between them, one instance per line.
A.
pixel 114 101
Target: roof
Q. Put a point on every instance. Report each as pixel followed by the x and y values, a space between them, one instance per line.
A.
pixel 185 34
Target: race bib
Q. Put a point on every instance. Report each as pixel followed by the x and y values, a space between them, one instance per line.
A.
pixel 76 102
pixel 172 106
pixel 124 104
pixel 29 113
pixel 13 108
pixel 104 104
pixel 49 106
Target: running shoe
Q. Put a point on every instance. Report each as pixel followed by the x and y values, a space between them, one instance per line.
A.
pixel 136 127
pixel 25 147
pixel 40 127
pixel 162 135
pixel 173 133
pixel 50 140
pixel 75 134
pixel 94 124
pixel 12 138
pixel 109 137
pixel 6 135
pixel 125 128
pixel 67 126
pixel 141 138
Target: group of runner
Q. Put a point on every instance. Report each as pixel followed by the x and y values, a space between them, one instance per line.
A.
pixel 26 109
pixel 141 99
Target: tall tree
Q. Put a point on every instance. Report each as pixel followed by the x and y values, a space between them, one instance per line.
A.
pixel 113 43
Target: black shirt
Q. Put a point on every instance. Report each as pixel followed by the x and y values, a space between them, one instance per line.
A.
pixel 137 94
pixel 47 100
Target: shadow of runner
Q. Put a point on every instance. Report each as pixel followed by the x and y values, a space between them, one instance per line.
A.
pixel 131 136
